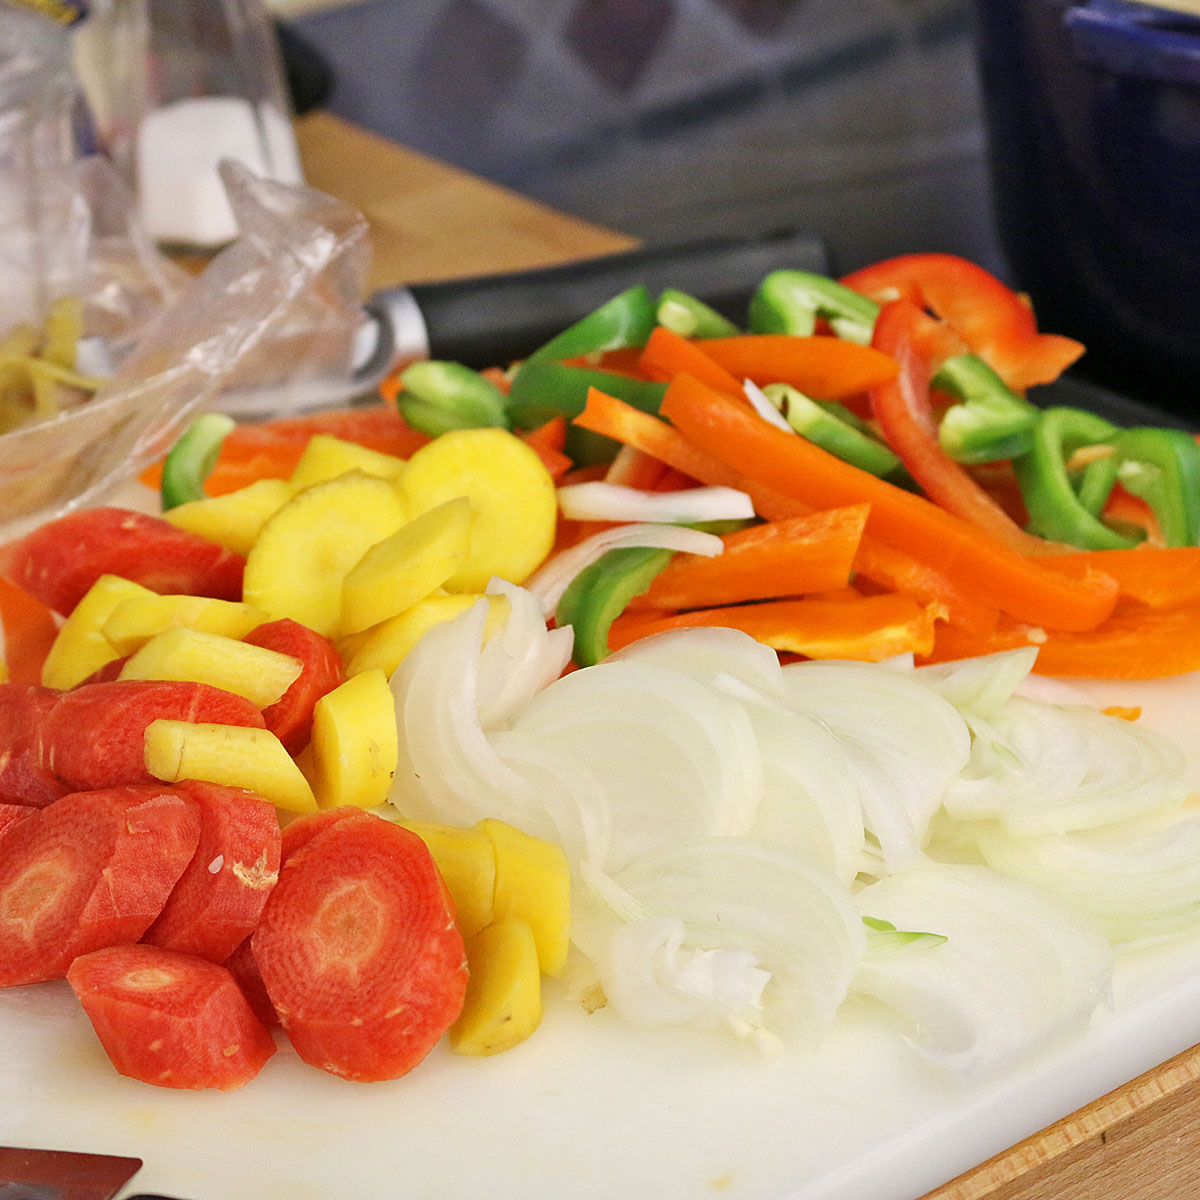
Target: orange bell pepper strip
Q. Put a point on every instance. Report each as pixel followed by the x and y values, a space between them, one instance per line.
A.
pixel 868 629
pixel 827 368
pixel 876 560
pixel 1158 577
pixel 666 354
pixel 994 321
pixel 765 562
pixel 904 411
pixel 1148 644
pixel 790 464
pixel 29 631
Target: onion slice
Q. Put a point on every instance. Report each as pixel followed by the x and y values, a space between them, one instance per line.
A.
pixel 599 501
pixel 1017 969
pixel 554 576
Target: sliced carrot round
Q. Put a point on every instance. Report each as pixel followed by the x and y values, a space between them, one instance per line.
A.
pixel 290 717
pixel 220 896
pixel 243 966
pixel 92 870
pixel 60 560
pixel 94 737
pixel 24 777
pixel 170 1019
pixel 360 952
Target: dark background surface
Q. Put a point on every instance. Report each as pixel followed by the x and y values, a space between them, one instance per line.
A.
pixel 680 119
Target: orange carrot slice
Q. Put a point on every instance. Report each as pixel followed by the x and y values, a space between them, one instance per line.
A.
pixel 780 558
pixel 94 736
pixel 170 1019
pixel 59 561
pixel 93 869
pixel 359 950
pixel 219 898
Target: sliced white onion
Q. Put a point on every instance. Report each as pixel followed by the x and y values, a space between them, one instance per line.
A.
pixel 1017 970
pixel 702 926
pixel 1137 879
pixel 712 655
pixel 521 659
pixel 676 760
pixel 761 403
pixel 554 576
pixel 598 501
pixel 903 745
pixel 978 687
pixel 1039 769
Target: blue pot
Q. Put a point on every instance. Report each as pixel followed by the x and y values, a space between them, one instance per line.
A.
pixel 1094 131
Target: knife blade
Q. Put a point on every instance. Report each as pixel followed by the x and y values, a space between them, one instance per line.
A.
pixel 28 1174
pixel 492 320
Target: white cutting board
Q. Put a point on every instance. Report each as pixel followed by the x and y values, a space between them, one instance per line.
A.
pixel 592 1109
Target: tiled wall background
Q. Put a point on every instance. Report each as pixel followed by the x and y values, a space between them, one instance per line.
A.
pixel 674 119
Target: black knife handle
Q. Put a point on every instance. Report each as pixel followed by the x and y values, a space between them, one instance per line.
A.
pixel 492 320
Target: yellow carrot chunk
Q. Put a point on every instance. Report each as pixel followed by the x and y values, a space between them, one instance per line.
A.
pixel 232 755
pixel 326 457
pixel 80 647
pixel 135 621
pixel 354 745
pixel 235 519
pixel 466 860
pixel 503 1004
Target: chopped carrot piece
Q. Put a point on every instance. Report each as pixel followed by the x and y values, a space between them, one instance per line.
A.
pixel 93 869
pixel 219 898
pixel 360 952
pixel 170 1019
pixel 26 777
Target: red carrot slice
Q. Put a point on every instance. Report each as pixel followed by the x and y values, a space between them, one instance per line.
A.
pixel 243 966
pixel 94 869
pixel 290 717
pixel 359 950
pixel 60 560
pixel 10 814
pixel 170 1019
pixel 301 830
pixel 220 896
pixel 24 777
pixel 94 737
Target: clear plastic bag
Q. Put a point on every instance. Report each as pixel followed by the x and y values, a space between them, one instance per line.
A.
pixel 277 309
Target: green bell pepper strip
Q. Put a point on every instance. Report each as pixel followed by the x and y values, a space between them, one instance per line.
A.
pixel 990 422
pixel 625 320
pixel 1162 466
pixel 542 390
pixel 791 301
pixel 191 459
pixel 841 438
pixel 692 318
pixel 1055 510
pixel 599 594
pixel 439 396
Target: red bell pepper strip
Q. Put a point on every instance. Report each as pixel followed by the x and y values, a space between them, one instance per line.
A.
pixel 904 412
pixel 740 438
pixel 994 321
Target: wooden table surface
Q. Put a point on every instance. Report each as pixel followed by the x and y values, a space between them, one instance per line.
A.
pixel 431 221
